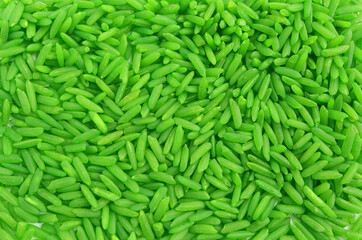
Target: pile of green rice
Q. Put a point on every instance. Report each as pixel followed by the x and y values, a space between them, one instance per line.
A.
pixel 180 119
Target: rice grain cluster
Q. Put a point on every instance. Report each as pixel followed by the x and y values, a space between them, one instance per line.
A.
pixel 180 119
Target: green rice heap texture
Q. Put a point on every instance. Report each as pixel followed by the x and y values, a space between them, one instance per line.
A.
pixel 180 119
